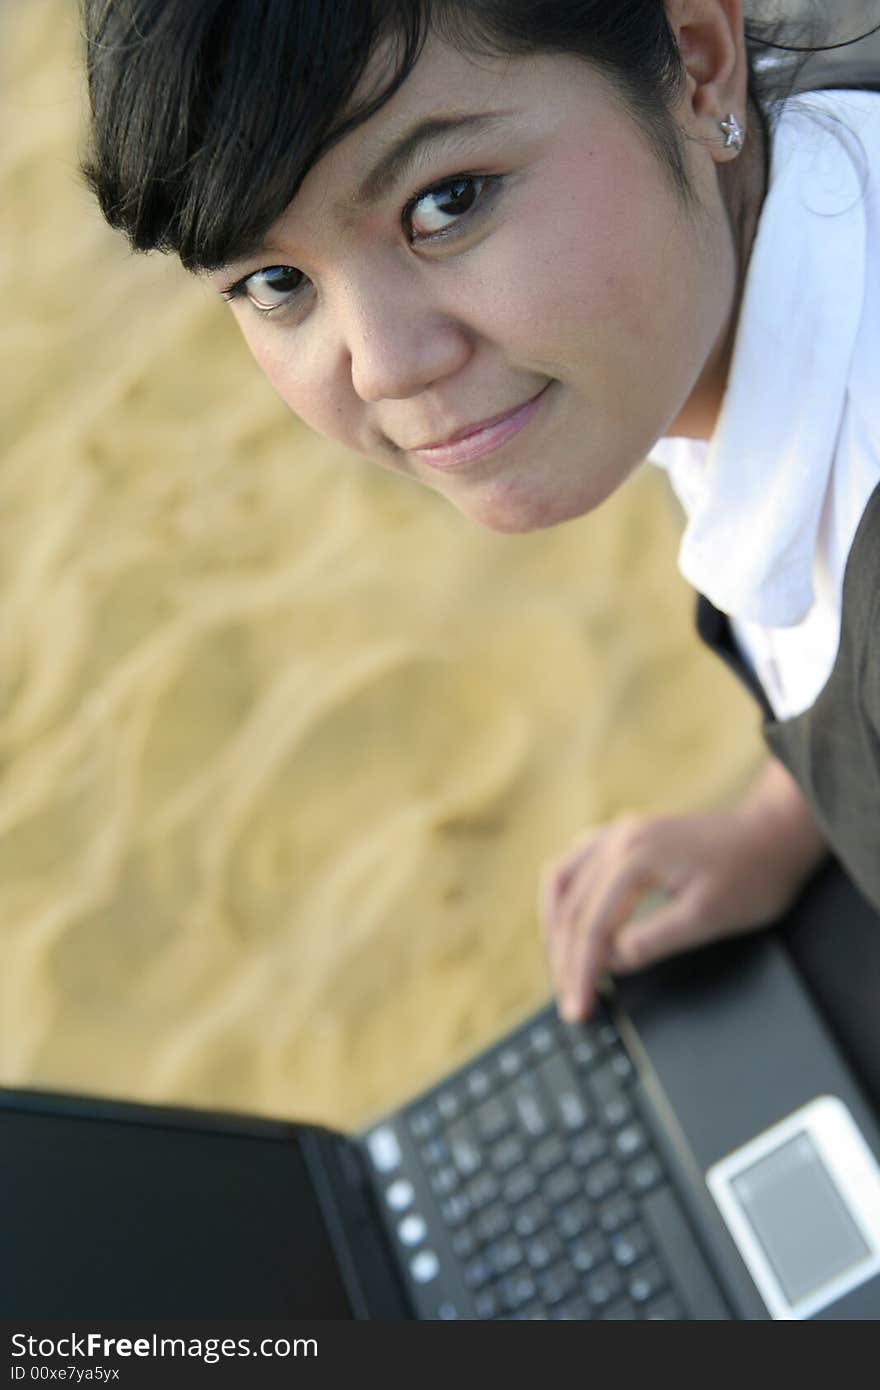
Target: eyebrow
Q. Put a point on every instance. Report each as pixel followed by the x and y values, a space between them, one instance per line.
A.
pixel 400 156
pixel 403 153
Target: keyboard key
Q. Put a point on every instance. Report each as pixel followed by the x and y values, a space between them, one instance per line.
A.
pixel 463 1243
pixel 604 1080
pixel 644 1174
pixel 615 1111
pixel 587 1252
pixel 573 1110
pixel 443 1181
pixel 510 1062
pixel 465 1153
pixel 603 1286
pixel 629 1141
pixel 384 1149
pixel 574 1217
pixel 455 1209
pixel 665 1308
pixel 620 1311
pixel 588 1147
pixel 424 1267
pixel 629 1246
pixel 616 1212
pixel 562 1185
pixel 516 1290
pixel 530 1218
pixel 610 1102
pixel 422 1123
pixel 600 1180
pixel 541 1039
pixel 543 1250
pixel 557 1283
pixel 492 1119
pixel 548 1154
pixel 575 1309
pixel 584 1051
pixel 486 1304
pixel 482 1190
pixel 646 1282
pixel 412 1229
pixel 478 1273
pixel 507 1154
pixel 530 1107
pixel 519 1185
pixel 564 1089
pixel 434 1152
pixel 399 1194
pixel 504 1255
pixel 621 1065
pixel 448 1105
pixel 478 1084
pixel 492 1222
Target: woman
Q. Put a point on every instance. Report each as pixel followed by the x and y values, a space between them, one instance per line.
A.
pixel 505 249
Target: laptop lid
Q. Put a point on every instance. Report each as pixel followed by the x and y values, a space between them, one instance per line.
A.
pixel 126 1212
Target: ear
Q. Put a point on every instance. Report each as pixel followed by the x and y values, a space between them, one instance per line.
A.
pixel 710 39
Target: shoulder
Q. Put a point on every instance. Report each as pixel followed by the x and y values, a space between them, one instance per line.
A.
pixel 833 140
pixel 825 147
pixel 861 608
pixel 854 108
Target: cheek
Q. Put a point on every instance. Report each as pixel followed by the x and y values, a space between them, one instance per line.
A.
pixel 614 280
pixel 309 394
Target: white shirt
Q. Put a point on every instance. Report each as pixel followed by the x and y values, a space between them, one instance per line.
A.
pixel 773 500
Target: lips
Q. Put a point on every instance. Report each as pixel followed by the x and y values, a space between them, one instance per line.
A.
pixel 475 441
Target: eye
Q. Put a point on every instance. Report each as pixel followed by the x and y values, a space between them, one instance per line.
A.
pixel 270 288
pixel 439 208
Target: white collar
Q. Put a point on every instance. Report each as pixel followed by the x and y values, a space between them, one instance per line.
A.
pixel 754 494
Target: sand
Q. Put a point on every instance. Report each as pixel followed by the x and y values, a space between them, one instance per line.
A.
pixel 283 739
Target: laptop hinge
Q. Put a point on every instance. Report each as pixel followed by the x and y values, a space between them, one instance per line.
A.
pixel 341 1183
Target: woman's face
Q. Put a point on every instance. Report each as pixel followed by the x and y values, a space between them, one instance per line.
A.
pixel 493 288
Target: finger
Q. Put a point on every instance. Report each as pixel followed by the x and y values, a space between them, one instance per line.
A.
pixel 590 942
pixel 646 909
pixel 671 928
pixel 569 914
pixel 580 848
pixel 546 897
pixel 548 920
pixel 557 879
pixel 550 900
pixel 562 921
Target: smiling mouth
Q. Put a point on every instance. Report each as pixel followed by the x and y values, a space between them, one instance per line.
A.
pixel 475 441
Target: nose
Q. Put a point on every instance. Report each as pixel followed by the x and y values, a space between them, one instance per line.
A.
pixel 399 344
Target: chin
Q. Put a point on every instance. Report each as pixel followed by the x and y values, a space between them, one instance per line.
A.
pixel 517 508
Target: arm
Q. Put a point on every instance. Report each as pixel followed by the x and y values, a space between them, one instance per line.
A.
pixel 718 873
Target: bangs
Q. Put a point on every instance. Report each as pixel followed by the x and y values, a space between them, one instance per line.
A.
pixel 207 121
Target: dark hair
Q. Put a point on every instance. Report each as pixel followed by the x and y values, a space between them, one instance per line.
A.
pixel 208 114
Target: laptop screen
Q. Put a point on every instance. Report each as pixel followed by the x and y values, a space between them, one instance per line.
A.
pixel 129 1220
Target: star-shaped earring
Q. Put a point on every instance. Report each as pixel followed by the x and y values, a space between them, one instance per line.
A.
pixel 732 132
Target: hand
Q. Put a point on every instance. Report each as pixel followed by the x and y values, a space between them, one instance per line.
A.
pixel 713 874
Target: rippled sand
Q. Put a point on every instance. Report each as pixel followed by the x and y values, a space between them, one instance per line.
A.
pixel 283 739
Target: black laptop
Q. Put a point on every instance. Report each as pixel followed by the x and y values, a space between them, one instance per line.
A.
pixel 700 1149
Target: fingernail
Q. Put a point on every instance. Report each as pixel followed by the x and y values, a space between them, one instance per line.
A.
pixel 570 1010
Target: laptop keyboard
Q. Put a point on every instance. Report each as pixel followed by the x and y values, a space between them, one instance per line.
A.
pixel 527 1185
